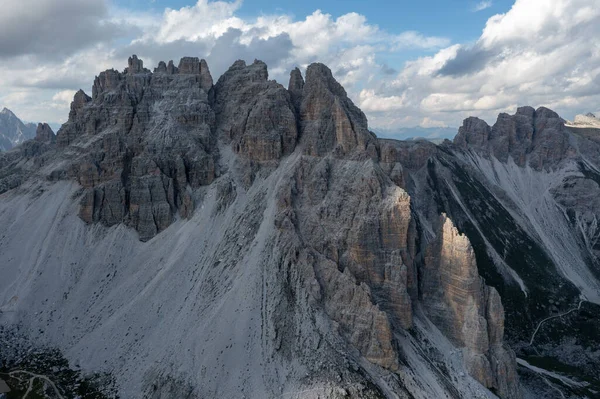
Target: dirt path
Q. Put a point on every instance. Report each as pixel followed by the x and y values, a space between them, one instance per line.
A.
pixel 553 317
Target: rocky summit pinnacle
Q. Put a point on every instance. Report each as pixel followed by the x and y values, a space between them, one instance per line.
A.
pixel 240 238
pixel 329 119
pixel 44 133
pixel 135 65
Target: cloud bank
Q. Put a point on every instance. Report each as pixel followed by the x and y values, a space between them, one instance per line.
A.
pixel 537 53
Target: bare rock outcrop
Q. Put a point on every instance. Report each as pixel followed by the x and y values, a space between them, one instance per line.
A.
pixel 195 66
pixel 169 68
pixel 357 229
pixel 330 121
pixel 466 310
pixel 67 136
pixel 537 138
pixel 473 132
pixel 145 140
pixel 135 65
pixel 254 114
pixel 295 87
pixel 44 133
pixel 341 255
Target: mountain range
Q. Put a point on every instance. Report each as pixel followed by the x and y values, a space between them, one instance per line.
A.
pixel 13 131
pixel 191 239
pixel 435 134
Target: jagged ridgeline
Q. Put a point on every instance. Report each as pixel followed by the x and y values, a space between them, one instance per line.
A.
pixel 13 131
pixel 243 239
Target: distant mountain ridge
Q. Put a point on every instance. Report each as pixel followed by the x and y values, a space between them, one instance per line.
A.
pixel 588 120
pixel 13 131
pixel 411 133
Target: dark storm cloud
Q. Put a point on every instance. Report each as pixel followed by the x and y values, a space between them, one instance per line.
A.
pixel 51 29
pixel 468 60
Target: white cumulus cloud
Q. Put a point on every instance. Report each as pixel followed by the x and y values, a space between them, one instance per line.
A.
pixel 537 53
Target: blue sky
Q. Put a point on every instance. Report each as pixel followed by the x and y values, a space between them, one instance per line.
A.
pixel 427 63
pixel 457 20
pixel 435 17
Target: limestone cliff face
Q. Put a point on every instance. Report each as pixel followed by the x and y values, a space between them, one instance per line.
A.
pixel 537 138
pixel 44 133
pixel 310 206
pixel 254 114
pixel 466 310
pixel 356 229
pixel 295 88
pixel 142 142
pixel 329 120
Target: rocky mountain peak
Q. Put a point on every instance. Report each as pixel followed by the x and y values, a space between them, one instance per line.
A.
pixel 254 114
pixel 534 137
pixel 13 131
pixel 473 132
pixel 329 119
pixel 466 310
pixel 546 113
pixel 588 120
pixel 189 65
pixel 281 207
pixel 318 74
pixel 526 111
pixel 259 118
pixel 169 68
pixel 296 83
pixel 161 68
pixel 135 65
pixel 80 99
pixel 193 66
pixel 44 133
pixel 295 87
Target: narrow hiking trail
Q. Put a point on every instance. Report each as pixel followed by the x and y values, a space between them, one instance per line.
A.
pixel 554 317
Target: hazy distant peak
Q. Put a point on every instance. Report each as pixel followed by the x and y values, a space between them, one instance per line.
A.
pixel 13 131
pixel 585 121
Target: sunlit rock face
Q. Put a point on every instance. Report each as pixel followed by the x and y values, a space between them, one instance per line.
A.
pixel 466 310
pixel 244 237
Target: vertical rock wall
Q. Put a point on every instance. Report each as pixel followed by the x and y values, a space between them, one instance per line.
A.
pixel 466 310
